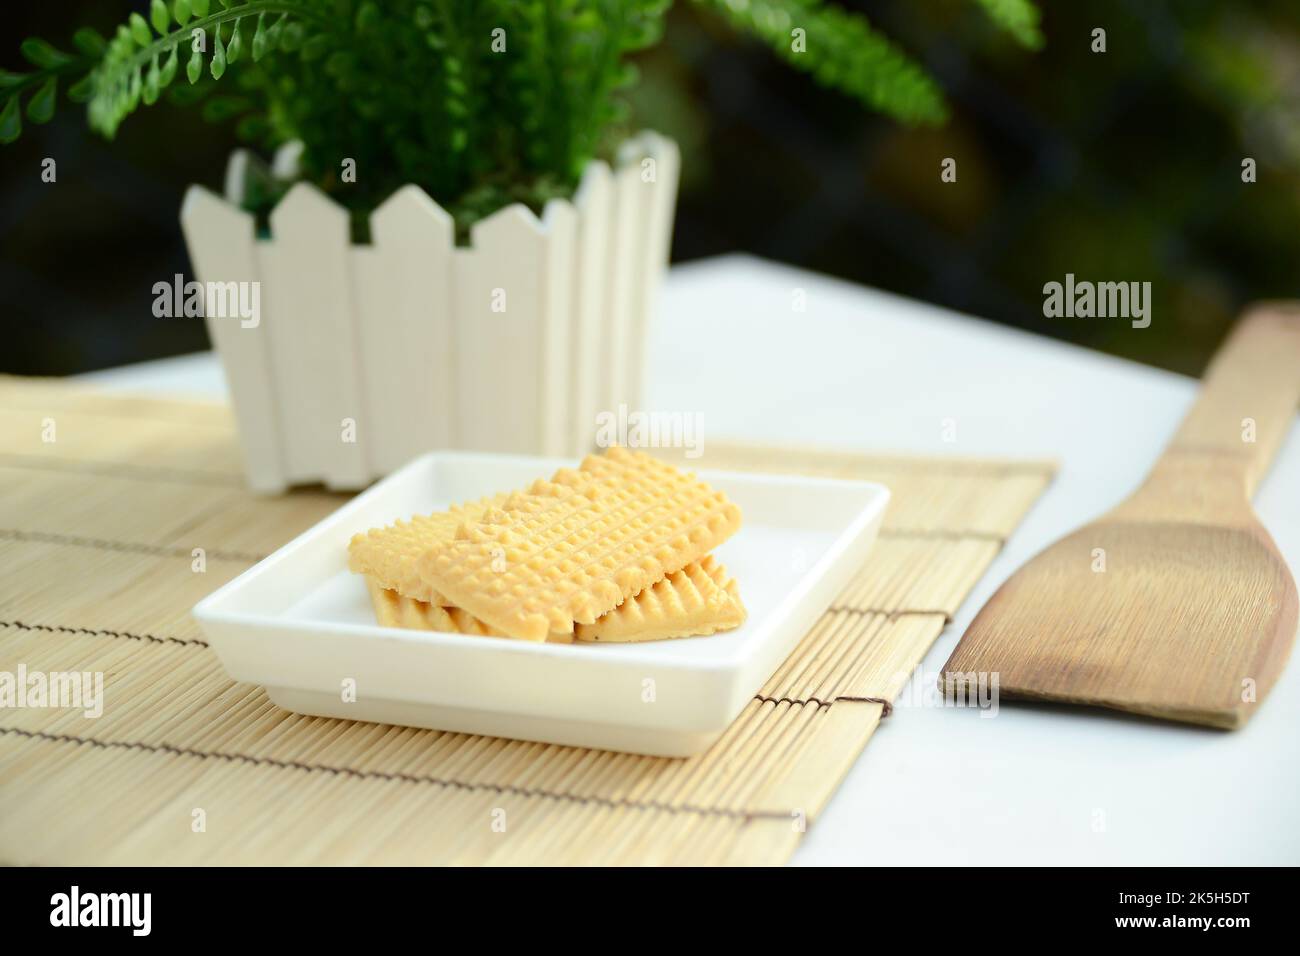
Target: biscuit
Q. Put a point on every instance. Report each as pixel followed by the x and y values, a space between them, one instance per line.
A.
pixel 592 539
pixel 388 554
pixel 394 610
pixel 697 600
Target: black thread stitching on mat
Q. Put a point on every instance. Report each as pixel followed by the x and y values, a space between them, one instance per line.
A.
pixel 887 708
pixel 894 614
pixel 823 704
pixel 89 466
pixel 190 642
pixel 126 547
pixel 398 777
pixel 103 632
pixel 161 550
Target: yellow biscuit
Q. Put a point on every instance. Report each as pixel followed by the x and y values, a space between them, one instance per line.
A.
pixel 388 554
pixel 591 539
pixel 697 600
pixel 394 610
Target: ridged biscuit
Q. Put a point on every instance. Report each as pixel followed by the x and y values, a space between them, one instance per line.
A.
pixel 697 600
pixel 394 610
pixel 594 538
pixel 388 554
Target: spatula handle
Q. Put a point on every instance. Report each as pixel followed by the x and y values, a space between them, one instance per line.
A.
pixel 1248 397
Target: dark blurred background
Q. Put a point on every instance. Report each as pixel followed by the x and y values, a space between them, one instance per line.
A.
pixel 1117 166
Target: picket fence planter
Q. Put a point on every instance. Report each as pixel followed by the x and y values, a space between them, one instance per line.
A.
pixel 365 356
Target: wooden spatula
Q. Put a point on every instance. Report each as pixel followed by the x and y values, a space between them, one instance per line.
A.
pixel 1177 604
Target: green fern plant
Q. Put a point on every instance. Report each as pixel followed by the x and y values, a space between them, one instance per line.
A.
pixel 480 102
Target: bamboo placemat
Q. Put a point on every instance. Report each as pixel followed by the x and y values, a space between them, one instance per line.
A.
pixel 103 501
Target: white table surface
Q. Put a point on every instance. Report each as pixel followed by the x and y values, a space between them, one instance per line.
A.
pixel 864 369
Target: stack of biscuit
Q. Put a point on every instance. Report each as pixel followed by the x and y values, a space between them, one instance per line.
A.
pixel 617 550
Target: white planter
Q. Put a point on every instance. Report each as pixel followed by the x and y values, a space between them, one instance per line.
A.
pixel 406 338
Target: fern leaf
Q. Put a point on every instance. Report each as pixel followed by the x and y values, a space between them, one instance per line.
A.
pixel 1017 17
pixel 130 70
pixel 842 51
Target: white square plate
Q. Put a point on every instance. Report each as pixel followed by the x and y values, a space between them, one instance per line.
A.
pixel 300 624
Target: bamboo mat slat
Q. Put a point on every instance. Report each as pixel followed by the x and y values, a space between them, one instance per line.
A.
pixel 97 536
